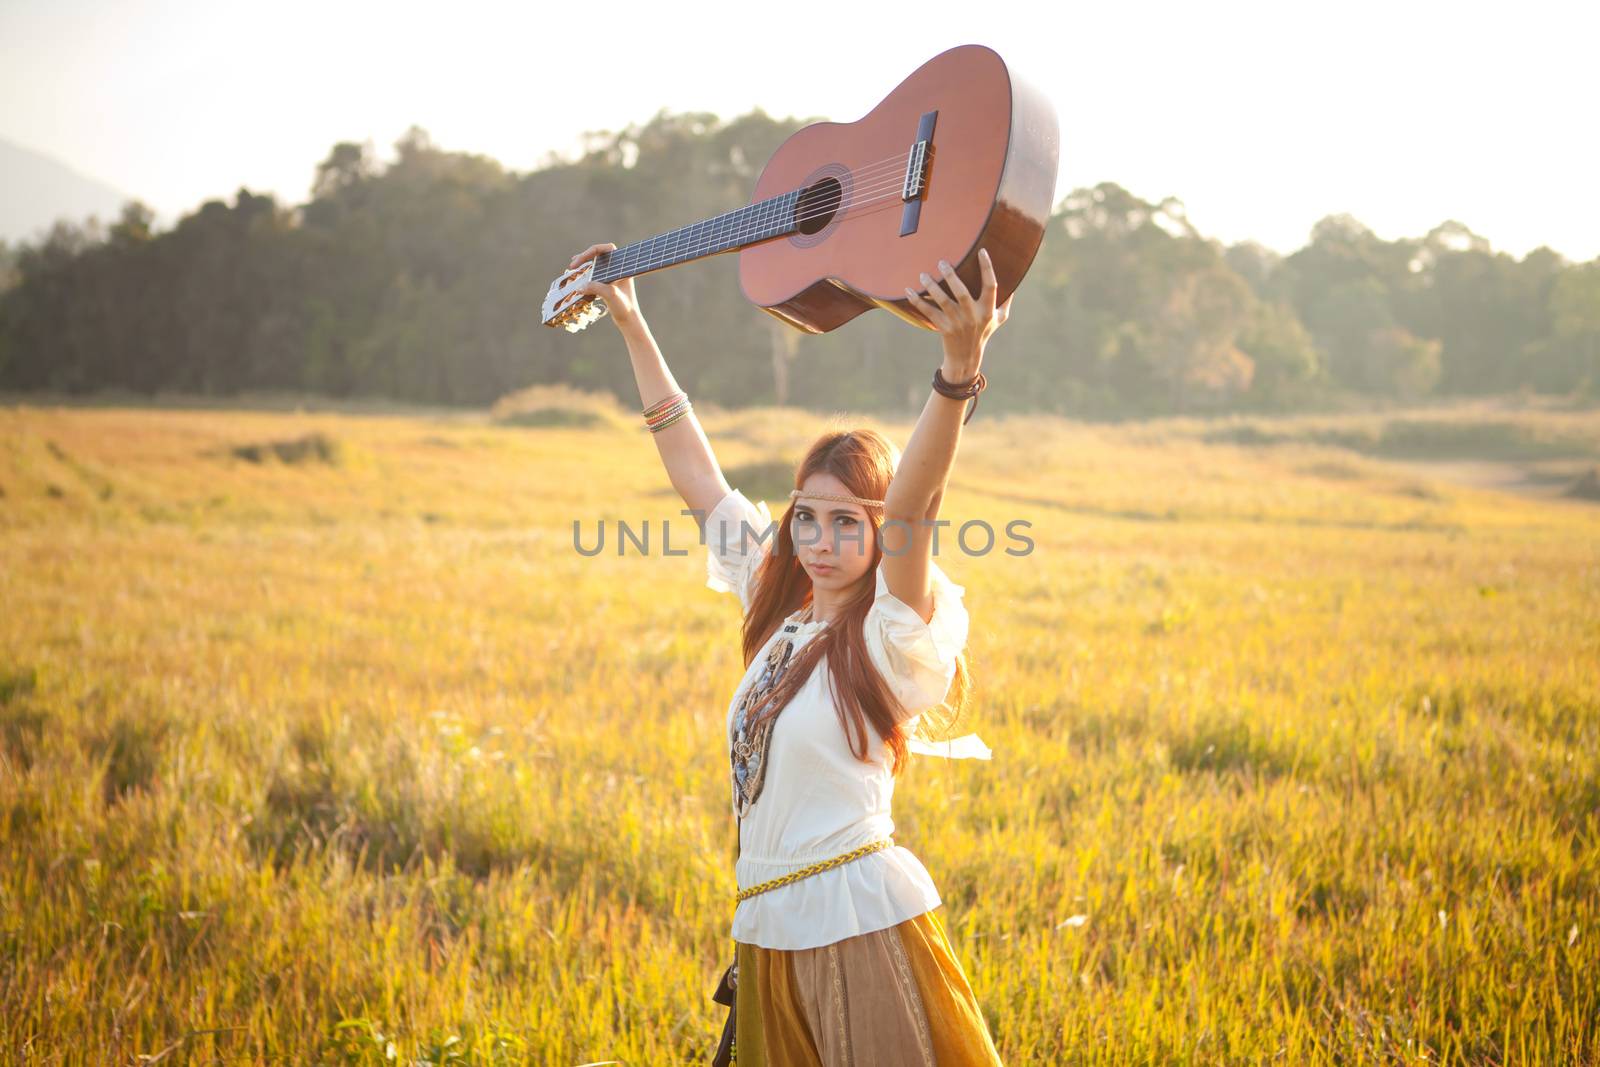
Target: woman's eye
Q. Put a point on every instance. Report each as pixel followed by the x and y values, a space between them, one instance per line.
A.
pixel 848 520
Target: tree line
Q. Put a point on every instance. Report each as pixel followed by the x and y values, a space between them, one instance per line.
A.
pixel 421 281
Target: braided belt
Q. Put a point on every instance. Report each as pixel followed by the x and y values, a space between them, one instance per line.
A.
pixel 815 868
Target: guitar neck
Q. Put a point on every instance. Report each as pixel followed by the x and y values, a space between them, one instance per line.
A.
pixel 749 225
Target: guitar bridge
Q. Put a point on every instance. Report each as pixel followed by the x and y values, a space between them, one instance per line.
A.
pixel 916 180
pixel 916 172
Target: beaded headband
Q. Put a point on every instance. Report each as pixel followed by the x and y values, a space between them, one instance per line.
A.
pixel 838 496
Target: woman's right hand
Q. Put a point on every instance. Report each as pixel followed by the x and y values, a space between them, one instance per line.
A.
pixel 618 295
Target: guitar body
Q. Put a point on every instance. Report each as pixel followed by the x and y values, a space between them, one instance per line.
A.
pixel 991 184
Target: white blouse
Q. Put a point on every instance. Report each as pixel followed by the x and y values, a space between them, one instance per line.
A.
pixel 819 800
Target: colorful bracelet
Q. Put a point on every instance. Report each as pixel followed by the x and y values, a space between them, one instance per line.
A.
pixel 658 427
pixel 664 403
pixel 660 416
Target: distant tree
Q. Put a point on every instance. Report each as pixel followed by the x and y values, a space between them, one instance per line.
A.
pixel 1283 353
pixel 1568 360
pixel 1484 308
pixel 1352 290
pixel 1397 363
pixel 1258 265
pixel 1197 330
pixel 135 224
pixel 347 165
pixel 1156 311
pixel 1344 316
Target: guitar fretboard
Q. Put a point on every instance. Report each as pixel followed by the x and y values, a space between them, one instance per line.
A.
pixel 748 225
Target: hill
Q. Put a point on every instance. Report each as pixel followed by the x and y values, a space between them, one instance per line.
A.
pixel 36 190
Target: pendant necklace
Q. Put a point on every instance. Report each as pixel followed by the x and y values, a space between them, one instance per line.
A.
pixel 748 749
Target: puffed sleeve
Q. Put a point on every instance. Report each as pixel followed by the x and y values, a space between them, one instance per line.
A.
pixel 733 551
pixel 916 658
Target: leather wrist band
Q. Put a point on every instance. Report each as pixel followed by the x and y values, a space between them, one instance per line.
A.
pixel 960 390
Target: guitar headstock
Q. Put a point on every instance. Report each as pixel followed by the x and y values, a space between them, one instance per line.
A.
pixel 564 306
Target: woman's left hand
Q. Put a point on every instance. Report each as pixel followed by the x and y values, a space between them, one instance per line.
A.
pixel 964 322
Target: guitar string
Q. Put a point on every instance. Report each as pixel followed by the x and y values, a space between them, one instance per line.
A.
pixel 774 211
pixel 663 257
pixel 868 174
pixel 869 184
pixel 879 205
pixel 704 239
pixel 862 208
pixel 858 206
pixel 865 208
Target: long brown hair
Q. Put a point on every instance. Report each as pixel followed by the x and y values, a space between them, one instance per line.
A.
pixel 864 460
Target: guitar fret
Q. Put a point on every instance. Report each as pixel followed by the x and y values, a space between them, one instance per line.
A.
pixel 691 241
pixel 682 241
pixel 734 229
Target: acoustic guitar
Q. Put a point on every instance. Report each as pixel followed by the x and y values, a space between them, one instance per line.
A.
pixel 846 216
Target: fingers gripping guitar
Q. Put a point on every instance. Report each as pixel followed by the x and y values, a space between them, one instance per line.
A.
pixel 578 297
pixel 964 321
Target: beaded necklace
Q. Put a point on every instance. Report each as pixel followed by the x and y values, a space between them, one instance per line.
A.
pixel 748 750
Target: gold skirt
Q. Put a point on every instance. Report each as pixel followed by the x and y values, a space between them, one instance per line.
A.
pixel 894 996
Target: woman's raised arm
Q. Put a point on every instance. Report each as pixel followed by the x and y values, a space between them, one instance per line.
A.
pixel 691 465
pixel 965 324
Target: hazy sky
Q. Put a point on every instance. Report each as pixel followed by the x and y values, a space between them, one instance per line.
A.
pixel 1261 117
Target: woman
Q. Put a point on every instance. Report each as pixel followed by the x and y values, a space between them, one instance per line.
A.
pixel 855 635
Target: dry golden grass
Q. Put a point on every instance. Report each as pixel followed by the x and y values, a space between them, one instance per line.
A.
pixel 308 753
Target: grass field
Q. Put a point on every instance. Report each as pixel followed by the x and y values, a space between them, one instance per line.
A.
pixel 320 742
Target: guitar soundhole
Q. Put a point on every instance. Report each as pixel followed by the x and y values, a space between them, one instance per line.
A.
pixel 817 206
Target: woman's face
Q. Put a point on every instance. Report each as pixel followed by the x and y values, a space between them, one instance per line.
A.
pixel 833 538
